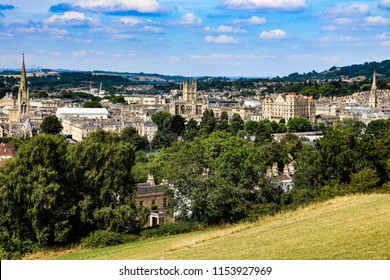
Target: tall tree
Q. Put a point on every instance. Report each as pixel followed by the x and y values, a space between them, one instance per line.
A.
pixel 299 124
pixel 51 125
pixel 130 135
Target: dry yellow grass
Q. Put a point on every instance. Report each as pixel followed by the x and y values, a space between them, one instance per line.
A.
pixel 356 227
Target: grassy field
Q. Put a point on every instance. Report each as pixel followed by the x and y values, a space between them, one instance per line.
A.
pixel 356 227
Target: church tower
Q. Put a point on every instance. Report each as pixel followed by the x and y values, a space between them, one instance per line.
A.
pixel 373 100
pixel 189 90
pixel 23 95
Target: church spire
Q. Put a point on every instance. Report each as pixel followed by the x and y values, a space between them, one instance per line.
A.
pixel 373 99
pixel 23 76
pixel 374 82
pixel 23 94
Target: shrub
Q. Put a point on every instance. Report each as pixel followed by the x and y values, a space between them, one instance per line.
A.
pixel 14 248
pixel 103 238
pixel 172 229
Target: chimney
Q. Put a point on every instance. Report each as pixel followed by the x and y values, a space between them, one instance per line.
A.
pixel 275 170
pixel 286 170
pixel 150 180
pixel 291 168
pixel 268 174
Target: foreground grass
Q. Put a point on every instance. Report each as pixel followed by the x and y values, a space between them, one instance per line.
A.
pixel 356 227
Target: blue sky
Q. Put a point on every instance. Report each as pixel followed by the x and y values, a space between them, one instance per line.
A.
pixel 195 37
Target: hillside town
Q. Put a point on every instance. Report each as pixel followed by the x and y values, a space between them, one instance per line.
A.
pixel 22 115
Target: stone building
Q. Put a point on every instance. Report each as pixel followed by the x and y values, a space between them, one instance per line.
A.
pixel 191 104
pixel 151 196
pixel 288 106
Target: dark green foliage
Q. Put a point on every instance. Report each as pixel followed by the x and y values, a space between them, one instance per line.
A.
pixel 299 124
pixel 92 104
pixel 172 229
pixel 191 130
pixel 130 135
pixel 378 127
pixel 208 123
pixel 54 194
pixel 223 122
pixel 118 99
pixel 104 238
pixel 51 125
pixel 159 118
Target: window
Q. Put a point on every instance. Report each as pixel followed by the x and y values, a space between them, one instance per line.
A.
pixel 141 203
pixel 154 202
pixel 165 203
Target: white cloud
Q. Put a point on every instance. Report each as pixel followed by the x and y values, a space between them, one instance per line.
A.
pixel 348 10
pixel 384 4
pixel 221 39
pixel 153 29
pixel 129 21
pixel 280 5
pixel 141 6
pixel 5 35
pixel 58 32
pixel 273 34
pixel 240 57
pixel 190 19
pixel 70 18
pixel 252 21
pixel 384 36
pixel 341 38
pixel 343 21
pixel 211 57
pixel 377 20
pixel 122 36
pixel 225 29
pixel 79 53
pixel 385 44
pixel 337 23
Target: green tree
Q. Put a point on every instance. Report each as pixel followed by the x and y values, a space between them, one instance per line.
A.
pixel 191 130
pixel 130 135
pixel 251 127
pixel 51 125
pixel 223 123
pixel 208 123
pixel 159 118
pixel 92 104
pixel 118 99
pixel 101 172
pixel 378 127
pixel 299 124
pixel 37 202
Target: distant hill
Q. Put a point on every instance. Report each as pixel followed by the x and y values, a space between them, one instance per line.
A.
pixel 355 227
pixel 347 72
pixel 362 71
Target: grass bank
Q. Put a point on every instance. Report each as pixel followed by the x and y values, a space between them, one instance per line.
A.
pixel 354 227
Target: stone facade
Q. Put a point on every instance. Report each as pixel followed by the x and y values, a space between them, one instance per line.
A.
pixel 190 105
pixel 288 106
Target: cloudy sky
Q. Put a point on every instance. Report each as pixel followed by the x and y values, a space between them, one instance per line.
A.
pixel 194 37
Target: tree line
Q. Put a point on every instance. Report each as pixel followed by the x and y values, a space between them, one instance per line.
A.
pixel 56 194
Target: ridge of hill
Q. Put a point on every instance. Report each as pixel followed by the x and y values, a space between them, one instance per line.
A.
pixel 362 71
pixel 353 227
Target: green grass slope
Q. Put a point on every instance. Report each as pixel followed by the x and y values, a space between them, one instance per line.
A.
pixel 355 227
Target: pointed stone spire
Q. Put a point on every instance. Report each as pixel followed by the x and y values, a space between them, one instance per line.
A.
pixel 23 95
pixel 374 82
pixel 23 76
pixel 373 100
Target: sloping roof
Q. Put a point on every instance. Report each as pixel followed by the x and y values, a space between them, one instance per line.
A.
pixel 145 188
pixel 81 111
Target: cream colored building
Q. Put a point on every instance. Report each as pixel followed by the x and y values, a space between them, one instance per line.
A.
pixel 191 104
pixel 144 99
pixel 288 106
